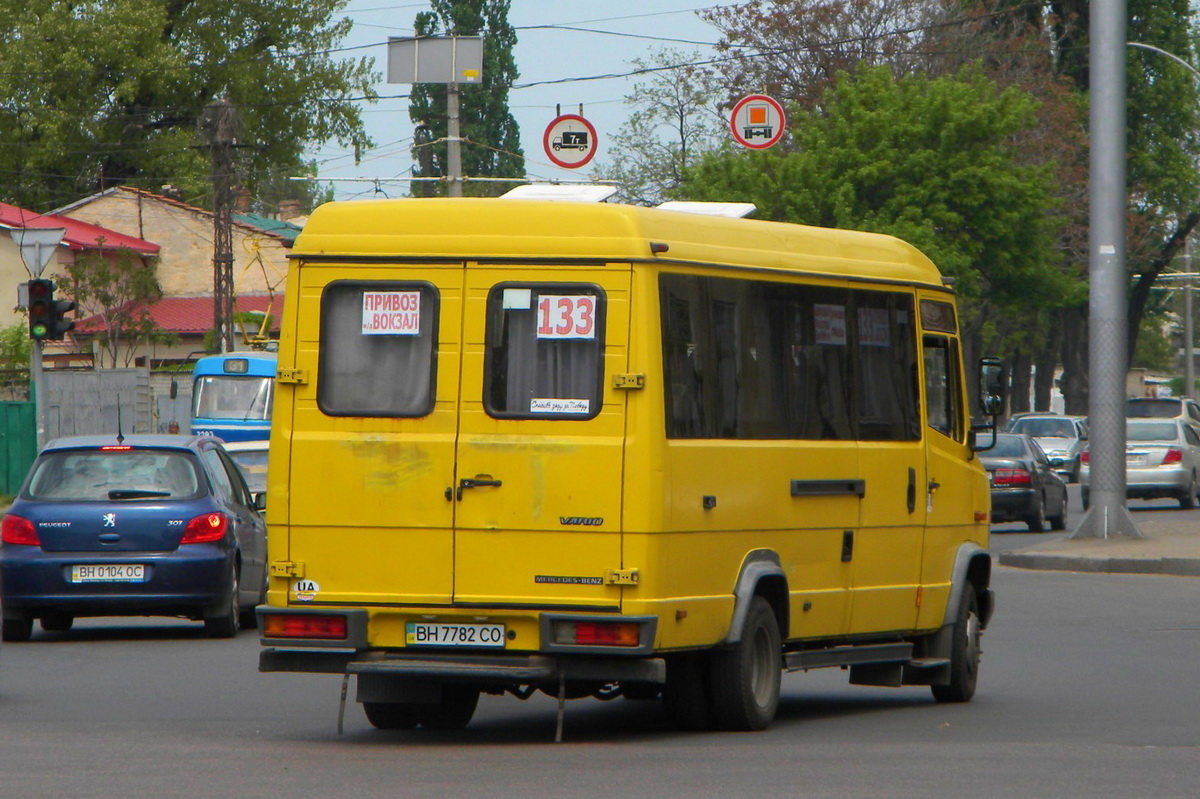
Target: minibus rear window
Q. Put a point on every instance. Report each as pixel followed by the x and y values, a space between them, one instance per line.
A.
pixel 378 348
pixel 545 346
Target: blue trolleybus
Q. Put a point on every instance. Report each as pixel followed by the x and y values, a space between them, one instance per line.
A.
pixel 232 394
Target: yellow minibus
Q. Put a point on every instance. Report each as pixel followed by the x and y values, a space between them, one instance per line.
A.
pixel 602 450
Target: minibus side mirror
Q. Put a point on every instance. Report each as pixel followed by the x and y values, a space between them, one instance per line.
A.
pixel 992 391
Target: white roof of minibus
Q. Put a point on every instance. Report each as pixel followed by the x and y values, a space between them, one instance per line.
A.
pixel 488 228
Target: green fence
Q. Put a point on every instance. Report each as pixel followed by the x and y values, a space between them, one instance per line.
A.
pixel 18 443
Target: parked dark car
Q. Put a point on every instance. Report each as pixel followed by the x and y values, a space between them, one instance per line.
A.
pixel 141 525
pixel 1025 487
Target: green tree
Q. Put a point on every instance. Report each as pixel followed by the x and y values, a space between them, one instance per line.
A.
pixel 117 293
pixel 676 118
pixel 106 92
pixel 932 161
pixel 493 139
pixel 15 350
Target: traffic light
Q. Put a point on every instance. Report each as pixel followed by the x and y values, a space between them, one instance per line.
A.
pixel 60 325
pixel 47 316
pixel 41 309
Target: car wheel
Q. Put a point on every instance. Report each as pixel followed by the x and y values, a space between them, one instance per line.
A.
pixel 1037 519
pixel 964 651
pixel 57 622
pixel 745 678
pixel 1059 522
pixel 16 629
pixel 249 616
pixel 223 623
pixel 1187 500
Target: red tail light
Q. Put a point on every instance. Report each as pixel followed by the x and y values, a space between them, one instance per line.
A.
pixel 293 625
pixel 1083 457
pixel 1009 477
pixel 206 528
pixel 19 530
pixel 1174 455
pixel 596 633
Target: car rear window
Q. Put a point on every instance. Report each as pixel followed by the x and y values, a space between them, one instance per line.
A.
pixel 1157 408
pixel 1007 447
pixel 1153 431
pixel 96 474
pixel 1045 428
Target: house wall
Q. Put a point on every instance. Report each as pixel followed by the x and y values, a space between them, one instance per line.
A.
pixel 185 235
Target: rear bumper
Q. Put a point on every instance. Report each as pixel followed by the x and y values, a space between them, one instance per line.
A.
pixel 498 671
pixel 180 583
pixel 1013 504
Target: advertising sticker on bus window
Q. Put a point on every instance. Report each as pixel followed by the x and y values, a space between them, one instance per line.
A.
pixel 830 324
pixel 566 316
pixel 391 313
pixel 873 328
pixel 579 406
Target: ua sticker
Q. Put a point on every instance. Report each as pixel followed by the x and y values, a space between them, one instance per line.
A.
pixel 305 590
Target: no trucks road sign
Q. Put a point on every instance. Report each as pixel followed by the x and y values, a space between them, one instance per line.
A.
pixel 757 121
pixel 570 141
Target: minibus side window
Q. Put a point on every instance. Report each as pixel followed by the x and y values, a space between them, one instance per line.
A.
pixel 943 401
pixel 756 359
pixel 378 349
pixel 545 347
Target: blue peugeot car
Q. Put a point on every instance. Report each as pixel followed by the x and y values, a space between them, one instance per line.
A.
pixel 139 525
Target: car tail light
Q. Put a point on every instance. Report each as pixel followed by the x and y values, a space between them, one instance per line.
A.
pixel 19 530
pixel 1083 457
pixel 596 633
pixel 298 625
pixel 205 528
pixel 1173 455
pixel 1008 477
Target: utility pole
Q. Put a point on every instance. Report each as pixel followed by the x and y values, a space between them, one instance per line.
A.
pixel 1108 515
pixel 219 124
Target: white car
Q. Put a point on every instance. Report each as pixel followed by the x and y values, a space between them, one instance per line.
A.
pixel 1162 459
pixel 1062 438
pixel 251 458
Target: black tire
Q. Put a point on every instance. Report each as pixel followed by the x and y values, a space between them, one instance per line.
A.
pixel 223 622
pixel 1059 522
pixel 744 679
pixel 1037 519
pixel 249 616
pixel 964 651
pixel 392 715
pixel 455 710
pixel 685 694
pixel 16 629
pixel 1187 499
pixel 57 622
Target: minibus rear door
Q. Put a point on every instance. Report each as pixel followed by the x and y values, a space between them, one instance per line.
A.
pixel 537 492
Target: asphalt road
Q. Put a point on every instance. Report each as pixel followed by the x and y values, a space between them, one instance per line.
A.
pixel 1087 689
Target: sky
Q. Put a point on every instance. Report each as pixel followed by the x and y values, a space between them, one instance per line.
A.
pixel 555 65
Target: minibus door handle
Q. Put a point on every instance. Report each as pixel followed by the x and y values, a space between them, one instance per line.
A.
pixel 477 481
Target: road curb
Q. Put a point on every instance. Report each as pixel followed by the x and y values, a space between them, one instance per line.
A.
pixel 1176 567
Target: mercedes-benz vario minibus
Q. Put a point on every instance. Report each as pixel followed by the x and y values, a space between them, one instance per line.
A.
pixel 594 449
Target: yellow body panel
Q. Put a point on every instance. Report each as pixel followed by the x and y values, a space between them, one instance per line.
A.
pixel 366 509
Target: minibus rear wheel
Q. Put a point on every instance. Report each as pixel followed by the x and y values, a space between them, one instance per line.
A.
pixel 392 715
pixel 453 712
pixel 746 677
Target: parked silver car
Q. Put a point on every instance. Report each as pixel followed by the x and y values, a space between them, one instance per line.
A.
pixel 1162 459
pixel 1062 438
